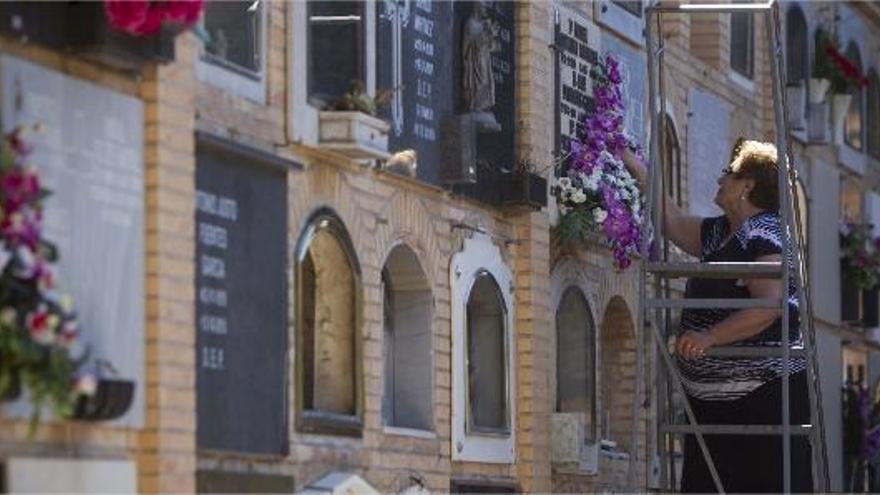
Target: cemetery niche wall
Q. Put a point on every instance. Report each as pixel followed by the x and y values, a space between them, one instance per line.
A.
pixel 241 299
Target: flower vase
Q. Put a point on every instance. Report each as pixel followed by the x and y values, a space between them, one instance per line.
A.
pixel 839 108
pixel 818 89
pixel 796 96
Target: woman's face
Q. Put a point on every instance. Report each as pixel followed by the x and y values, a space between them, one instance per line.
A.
pixel 731 190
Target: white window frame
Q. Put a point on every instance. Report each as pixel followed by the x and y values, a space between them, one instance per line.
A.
pixel 620 20
pixel 217 75
pixel 479 254
pixel 302 117
pixel 571 273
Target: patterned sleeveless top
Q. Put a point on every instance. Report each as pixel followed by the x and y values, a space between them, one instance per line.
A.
pixel 730 378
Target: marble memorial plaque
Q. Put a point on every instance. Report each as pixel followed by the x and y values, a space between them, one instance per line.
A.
pixel 91 156
pixel 708 149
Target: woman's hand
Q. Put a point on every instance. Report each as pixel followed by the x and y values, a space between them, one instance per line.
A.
pixel 693 345
pixel 635 167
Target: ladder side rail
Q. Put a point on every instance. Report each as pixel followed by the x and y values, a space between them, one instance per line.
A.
pixel 793 210
pixel 662 286
pixel 689 412
pixel 651 211
pixel 775 50
pixel 654 214
pixel 648 209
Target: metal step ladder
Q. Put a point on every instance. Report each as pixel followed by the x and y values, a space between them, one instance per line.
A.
pixel 655 292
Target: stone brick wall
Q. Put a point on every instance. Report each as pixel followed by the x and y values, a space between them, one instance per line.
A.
pixel 380 210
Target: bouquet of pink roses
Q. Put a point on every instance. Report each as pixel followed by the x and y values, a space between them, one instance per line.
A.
pixel 594 190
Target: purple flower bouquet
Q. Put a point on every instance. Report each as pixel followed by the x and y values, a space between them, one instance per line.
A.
pixel 594 190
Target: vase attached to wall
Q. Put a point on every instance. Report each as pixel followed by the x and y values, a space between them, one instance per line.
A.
pixel 839 108
pixel 818 89
pixel 797 101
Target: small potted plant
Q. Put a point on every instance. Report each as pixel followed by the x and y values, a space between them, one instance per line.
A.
pixel 523 186
pixel 349 125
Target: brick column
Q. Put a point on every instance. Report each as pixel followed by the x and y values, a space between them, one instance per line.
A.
pixel 534 317
pixel 168 462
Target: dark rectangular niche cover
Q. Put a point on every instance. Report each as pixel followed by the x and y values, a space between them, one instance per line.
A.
pixel 494 151
pixel 414 52
pixel 241 302
pixel 209 481
pixel 481 486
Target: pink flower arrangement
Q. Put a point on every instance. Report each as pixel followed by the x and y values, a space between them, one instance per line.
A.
pixel 145 17
pixel 594 190
pixel 860 251
pixel 39 335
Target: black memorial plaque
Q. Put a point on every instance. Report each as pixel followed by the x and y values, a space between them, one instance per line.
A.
pixel 241 303
pixel 418 50
pixel 495 150
pixel 574 95
pixel 414 55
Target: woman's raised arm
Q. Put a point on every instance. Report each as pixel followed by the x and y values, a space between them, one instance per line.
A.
pixel 683 230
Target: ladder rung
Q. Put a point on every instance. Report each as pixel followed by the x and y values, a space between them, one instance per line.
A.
pixel 757 269
pixel 744 303
pixel 710 7
pixel 756 351
pixel 737 429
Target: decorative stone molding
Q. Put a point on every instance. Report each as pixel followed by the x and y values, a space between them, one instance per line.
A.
pixel 479 254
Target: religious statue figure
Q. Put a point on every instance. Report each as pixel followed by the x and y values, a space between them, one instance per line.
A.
pixel 479 41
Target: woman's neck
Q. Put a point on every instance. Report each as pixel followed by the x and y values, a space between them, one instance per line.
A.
pixel 738 217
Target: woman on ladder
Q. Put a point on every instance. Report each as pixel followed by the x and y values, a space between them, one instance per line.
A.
pixel 728 390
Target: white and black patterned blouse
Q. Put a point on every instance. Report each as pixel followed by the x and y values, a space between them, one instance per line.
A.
pixel 719 378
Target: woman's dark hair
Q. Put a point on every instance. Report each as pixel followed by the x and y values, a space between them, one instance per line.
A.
pixel 757 161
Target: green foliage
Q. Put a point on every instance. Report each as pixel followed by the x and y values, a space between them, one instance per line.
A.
pixel 574 227
pixel 357 99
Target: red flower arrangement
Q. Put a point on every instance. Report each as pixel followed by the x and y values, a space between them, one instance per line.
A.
pixel 848 68
pixel 145 17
